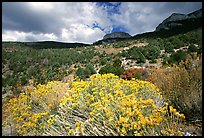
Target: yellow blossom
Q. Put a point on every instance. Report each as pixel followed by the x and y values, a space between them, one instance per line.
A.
pixel 163 132
pixel 182 116
pixel 179 133
pixel 124 130
pixel 77 124
pixel 171 131
pixel 123 119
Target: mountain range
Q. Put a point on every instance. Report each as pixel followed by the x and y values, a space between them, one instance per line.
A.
pixel 177 20
pixel 176 23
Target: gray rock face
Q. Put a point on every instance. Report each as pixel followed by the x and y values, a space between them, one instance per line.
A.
pixel 113 37
pixel 196 14
pixel 117 35
pixel 175 18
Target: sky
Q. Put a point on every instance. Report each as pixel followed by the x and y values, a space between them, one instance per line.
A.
pixel 84 22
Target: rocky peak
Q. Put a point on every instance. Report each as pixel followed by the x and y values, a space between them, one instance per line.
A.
pixel 196 14
pixel 117 35
pixel 113 37
pixel 175 20
pixel 176 17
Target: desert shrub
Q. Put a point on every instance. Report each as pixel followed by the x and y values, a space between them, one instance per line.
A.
pixel 176 42
pixel 105 105
pixel 87 72
pixel 157 42
pixel 120 44
pixel 181 85
pixel 117 62
pixel 192 48
pixel 31 113
pixel 140 58
pixel 26 62
pixel 91 68
pixel 84 73
pixel 164 58
pixel 136 53
pixel 117 70
pixel 143 50
pixel 113 109
pixel 103 61
pixel 153 61
pixel 169 47
pixel 153 52
pixel 137 73
pixel 80 73
pixel 176 57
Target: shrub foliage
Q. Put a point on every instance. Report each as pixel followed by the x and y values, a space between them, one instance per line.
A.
pixel 105 105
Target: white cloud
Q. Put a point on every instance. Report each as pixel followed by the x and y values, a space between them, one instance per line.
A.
pixel 76 33
pixel 138 17
pixel 141 17
pixel 82 21
pixel 22 36
pixel 70 22
pixel 81 32
pixel 77 13
pixel 42 5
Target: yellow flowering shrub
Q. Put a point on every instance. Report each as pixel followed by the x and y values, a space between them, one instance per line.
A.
pixel 103 105
pixel 29 112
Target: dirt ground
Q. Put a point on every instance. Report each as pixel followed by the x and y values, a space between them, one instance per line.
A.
pixel 111 50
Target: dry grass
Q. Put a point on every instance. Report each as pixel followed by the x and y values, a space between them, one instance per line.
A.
pixel 182 86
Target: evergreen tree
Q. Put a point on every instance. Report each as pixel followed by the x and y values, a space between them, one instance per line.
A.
pixel 80 73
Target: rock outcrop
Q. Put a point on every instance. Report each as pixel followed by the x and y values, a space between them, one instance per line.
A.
pixel 179 20
pixel 113 37
pixel 117 35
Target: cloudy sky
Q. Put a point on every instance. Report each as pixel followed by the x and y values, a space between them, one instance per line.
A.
pixel 84 22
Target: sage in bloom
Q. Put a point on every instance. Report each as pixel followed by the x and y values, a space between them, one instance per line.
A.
pixel 104 105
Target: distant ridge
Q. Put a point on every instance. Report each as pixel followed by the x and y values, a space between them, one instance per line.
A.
pixel 177 20
pixel 113 37
pixel 117 35
pixel 54 44
pixel 176 23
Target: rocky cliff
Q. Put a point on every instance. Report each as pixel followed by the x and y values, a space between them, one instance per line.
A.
pixel 179 20
pixel 113 37
pixel 117 35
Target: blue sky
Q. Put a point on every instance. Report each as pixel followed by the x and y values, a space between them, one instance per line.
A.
pixel 112 8
pixel 84 22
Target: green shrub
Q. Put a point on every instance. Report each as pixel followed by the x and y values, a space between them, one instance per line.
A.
pixel 103 61
pixel 164 59
pixel 153 52
pixel 192 48
pixel 84 73
pixel 169 47
pixel 91 68
pixel 117 70
pixel 80 73
pixel 153 61
pixel 176 57
pixel 117 62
